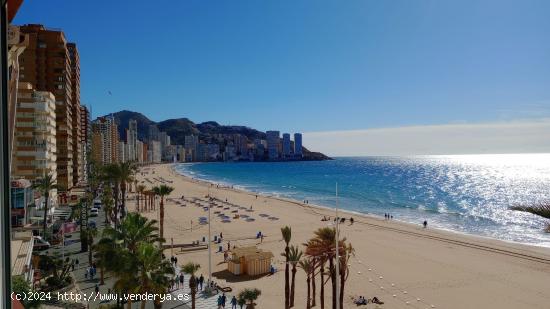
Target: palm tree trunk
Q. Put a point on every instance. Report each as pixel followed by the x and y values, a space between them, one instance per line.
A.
pixel 287 287
pixel 137 202
pixel 123 190
pixel 115 209
pixel 101 275
pixel 143 304
pixel 333 281
pixel 322 294
pixel 129 304
pixel 45 223
pixel 314 292
pixel 308 300
pixel 161 217
pixel 342 283
pixel 292 286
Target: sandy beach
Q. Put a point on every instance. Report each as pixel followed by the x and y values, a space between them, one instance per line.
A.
pixel 395 261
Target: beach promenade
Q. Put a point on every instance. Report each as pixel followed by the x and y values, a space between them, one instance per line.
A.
pixel 404 265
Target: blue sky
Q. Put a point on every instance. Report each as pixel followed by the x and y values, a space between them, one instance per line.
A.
pixel 310 65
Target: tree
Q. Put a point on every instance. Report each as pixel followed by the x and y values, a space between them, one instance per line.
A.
pixel 140 189
pixel 191 268
pixel 542 210
pixel 249 296
pixel 20 286
pixel 307 266
pixel 90 234
pixel 155 272
pixel 126 173
pixel 162 191
pixel 107 203
pixel 105 250
pixel 134 228
pixel 321 248
pixel 111 175
pixel 346 251
pixel 44 185
pixel 294 257
pixel 287 235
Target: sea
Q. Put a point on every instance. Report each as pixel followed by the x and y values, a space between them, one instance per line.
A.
pixel 469 194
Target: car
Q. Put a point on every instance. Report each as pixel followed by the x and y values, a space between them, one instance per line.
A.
pixel 97 204
pixel 92 224
pixel 94 212
pixel 40 243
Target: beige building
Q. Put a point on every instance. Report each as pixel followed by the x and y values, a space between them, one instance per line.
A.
pixel 46 63
pixel 105 141
pixel 34 146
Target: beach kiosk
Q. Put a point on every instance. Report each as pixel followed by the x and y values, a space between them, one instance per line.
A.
pixel 249 261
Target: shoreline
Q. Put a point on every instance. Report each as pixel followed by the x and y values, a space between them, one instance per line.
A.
pixel 446 269
pixel 239 189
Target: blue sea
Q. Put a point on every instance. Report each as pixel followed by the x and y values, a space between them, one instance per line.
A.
pixel 464 193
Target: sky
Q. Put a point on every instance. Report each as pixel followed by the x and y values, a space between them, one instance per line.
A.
pixel 312 66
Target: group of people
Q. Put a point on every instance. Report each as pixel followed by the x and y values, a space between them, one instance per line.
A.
pixel 388 216
pixel 90 272
pixel 174 260
pixel 363 301
pixel 222 299
pixel 342 220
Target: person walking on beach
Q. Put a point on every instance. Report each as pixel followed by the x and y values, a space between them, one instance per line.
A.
pixel 224 298
pixel 425 223
pixel 220 302
pixel 201 281
pixel 182 279
pixel 234 302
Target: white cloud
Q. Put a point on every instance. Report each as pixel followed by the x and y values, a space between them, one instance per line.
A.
pixel 528 136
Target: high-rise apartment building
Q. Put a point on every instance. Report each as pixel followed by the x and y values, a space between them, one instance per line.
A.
pixel 85 140
pixel 105 140
pixel 46 64
pixel 34 146
pixel 286 145
pixel 131 140
pixel 139 151
pixel 78 164
pixel 190 145
pixel 153 133
pixel 273 141
pixel 298 144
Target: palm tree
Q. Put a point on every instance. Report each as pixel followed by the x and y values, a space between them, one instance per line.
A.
pixel 90 234
pixel 155 272
pixel 44 185
pixel 126 176
pixel 111 174
pixel 321 248
pixel 307 266
pixel 191 268
pixel 294 257
pixel 107 203
pixel 249 296
pixel 346 252
pixel 140 189
pixel 105 250
pixel 542 210
pixel 162 191
pixel 287 235
pixel 134 229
